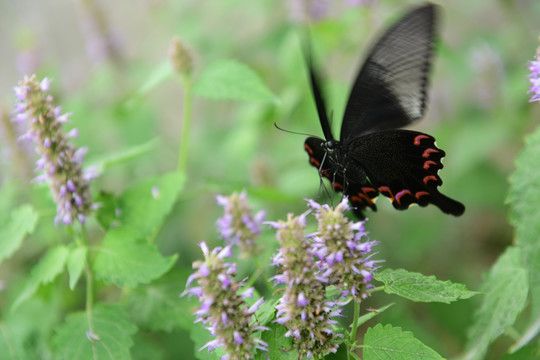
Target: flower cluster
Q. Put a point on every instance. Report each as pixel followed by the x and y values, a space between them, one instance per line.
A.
pixel 180 57
pixel 223 310
pixel 239 225
pixel 534 77
pixel 303 309
pixel 344 250
pixel 60 160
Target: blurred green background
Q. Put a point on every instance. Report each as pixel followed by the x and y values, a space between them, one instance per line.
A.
pixel 103 57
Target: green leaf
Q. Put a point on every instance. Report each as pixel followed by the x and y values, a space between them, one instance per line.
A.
pixel 110 337
pixel 392 343
pixel 48 268
pixel 126 259
pixel 75 265
pixel 372 313
pixel 417 287
pixel 279 346
pixel 232 80
pixel 22 221
pixel 157 306
pixel 99 165
pixel 156 77
pixel 506 287
pixel 144 206
pixel 524 198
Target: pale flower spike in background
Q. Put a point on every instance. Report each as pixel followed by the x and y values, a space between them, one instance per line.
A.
pixel 534 77
pixel 60 160
pixel 238 225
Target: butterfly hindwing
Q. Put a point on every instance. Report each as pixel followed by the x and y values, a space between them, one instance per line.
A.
pixel 403 165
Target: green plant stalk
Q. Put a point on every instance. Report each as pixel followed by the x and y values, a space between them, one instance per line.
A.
pixel 354 326
pixel 186 125
pixel 89 292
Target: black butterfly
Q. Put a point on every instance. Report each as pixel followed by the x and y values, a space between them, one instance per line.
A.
pixel 373 157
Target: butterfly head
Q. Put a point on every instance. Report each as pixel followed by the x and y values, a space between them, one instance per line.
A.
pixel 330 145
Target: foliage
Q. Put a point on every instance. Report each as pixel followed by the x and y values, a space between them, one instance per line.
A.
pixel 109 289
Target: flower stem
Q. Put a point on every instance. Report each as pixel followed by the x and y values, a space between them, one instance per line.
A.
pixel 89 293
pixel 354 326
pixel 186 124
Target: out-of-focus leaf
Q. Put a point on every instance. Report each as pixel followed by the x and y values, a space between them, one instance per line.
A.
pixel 391 343
pixel 157 306
pixel 22 221
pixel 75 265
pixel 524 198
pixel 417 287
pixel 48 268
pixel 110 337
pixel 145 205
pixel 232 80
pixel 126 259
pixel 506 287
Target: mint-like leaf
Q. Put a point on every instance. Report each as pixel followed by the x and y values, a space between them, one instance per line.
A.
pixel 22 221
pixel 126 259
pixel 232 80
pixel 391 343
pixel 417 287
pixel 49 267
pixel 75 265
pixel 157 306
pixel 145 205
pixel 524 198
pixel 109 338
pixel 506 287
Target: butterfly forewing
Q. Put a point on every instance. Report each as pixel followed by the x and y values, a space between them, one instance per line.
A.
pixel 390 89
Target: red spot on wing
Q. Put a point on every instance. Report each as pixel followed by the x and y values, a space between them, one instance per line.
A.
pixel 419 194
pixel 362 198
pixel 402 193
pixel 338 186
pixel 385 190
pixel 430 178
pixel 419 138
pixel 428 151
pixel 367 190
pixel 428 163
pixel 308 149
pixel 314 162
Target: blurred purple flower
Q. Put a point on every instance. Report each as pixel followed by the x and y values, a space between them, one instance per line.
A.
pixel 534 77
pixel 60 160
pixel 239 225
pixel 223 310
pixel 344 250
pixel 303 308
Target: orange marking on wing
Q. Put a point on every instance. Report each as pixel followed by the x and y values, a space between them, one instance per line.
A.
pixel 338 186
pixel 361 198
pixel 366 190
pixel 429 178
pixel 402 193
pixel 385 190
pixel 419 138
pixel 428 163
pixel 428 151
pixel 314 162
pixel 420 194
pixel 308 149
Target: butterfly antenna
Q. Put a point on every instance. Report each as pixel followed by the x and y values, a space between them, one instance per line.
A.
pixel 292 132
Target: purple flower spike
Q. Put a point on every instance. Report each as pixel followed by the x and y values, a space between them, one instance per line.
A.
pixel 60 161
pixel 239 225
pixel 223 310
pixel 347 251
pixel 303 309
